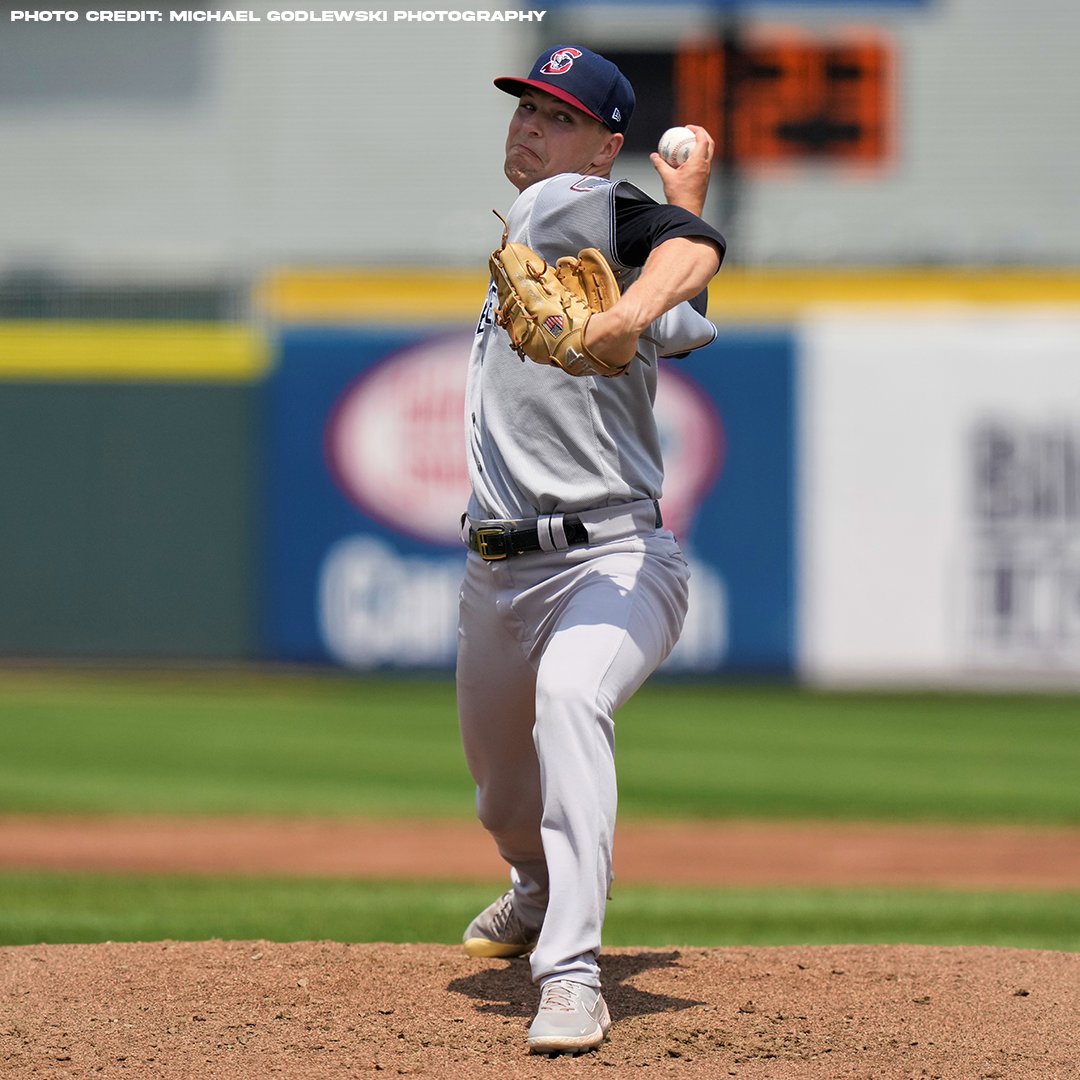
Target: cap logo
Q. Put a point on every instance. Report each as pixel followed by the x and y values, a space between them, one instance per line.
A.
pixel 616 116
pixel 561 62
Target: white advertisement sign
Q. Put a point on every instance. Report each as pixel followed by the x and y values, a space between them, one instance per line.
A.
pixel 939 505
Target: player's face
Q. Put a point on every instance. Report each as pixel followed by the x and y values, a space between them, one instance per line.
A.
pixel 548 137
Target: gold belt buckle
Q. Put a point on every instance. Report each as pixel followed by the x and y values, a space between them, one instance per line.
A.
pixel 482 537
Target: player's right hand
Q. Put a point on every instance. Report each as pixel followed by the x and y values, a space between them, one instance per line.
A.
pixel 688 185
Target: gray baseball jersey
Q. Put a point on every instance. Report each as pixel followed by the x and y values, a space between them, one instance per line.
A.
pixel 539 441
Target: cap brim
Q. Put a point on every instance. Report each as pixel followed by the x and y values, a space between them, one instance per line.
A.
pixel 515 86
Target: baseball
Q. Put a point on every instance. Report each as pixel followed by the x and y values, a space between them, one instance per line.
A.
pixel 676 145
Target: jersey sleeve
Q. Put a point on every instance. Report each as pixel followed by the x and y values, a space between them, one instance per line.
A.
pixel 571 211
pixel 566 213
pixel 642 224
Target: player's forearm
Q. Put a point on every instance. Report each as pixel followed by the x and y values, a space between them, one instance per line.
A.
pixel 676 270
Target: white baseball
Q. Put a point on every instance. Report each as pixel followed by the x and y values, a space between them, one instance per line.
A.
pixel 676 145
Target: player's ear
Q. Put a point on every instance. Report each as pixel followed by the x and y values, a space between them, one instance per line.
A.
pixel 609 150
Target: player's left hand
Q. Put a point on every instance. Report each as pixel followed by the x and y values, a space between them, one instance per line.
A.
pixel 688 185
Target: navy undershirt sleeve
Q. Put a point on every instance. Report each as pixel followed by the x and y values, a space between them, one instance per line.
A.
pixel 640 226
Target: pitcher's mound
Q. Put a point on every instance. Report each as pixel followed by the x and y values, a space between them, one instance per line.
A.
pixel 320 1011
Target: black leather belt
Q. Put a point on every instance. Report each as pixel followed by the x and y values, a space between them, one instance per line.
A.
pixel 492 542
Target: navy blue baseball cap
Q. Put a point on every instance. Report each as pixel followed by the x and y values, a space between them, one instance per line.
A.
pixel 583 79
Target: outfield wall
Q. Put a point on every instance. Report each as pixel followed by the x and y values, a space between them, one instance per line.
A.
pixel 129 489
pixel 876 478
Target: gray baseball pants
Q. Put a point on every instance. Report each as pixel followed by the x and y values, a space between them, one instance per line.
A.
pixel 550 644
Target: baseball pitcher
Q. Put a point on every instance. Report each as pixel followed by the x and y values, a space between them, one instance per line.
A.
pixel 574 592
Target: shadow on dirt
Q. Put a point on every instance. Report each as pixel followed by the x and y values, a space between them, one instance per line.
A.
pixel 507 990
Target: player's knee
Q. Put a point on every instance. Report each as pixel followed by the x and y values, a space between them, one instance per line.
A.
pixel 562 687
pixel 510 816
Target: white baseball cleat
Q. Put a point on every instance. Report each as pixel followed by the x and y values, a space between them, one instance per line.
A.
pixel 572 1018
pixel 498 932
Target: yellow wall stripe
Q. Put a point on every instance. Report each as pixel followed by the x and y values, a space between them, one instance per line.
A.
pixel 385 296
pixel 437 296
pixel 214 352
pixel 787 295
pixel 76 351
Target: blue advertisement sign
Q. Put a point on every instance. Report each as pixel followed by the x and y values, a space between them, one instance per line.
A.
pixel 366 483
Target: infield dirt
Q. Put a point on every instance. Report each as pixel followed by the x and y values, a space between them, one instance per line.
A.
pixel 324 1010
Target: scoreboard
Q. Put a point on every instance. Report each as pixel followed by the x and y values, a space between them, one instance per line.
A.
pixel 772 98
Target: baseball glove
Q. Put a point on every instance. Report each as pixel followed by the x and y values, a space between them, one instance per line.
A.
pixel 545 309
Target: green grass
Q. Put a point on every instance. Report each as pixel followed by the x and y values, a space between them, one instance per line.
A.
pixel 331 744
pixel 789 753
pixel 70 908
pixel 215 743
pixel 280 743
